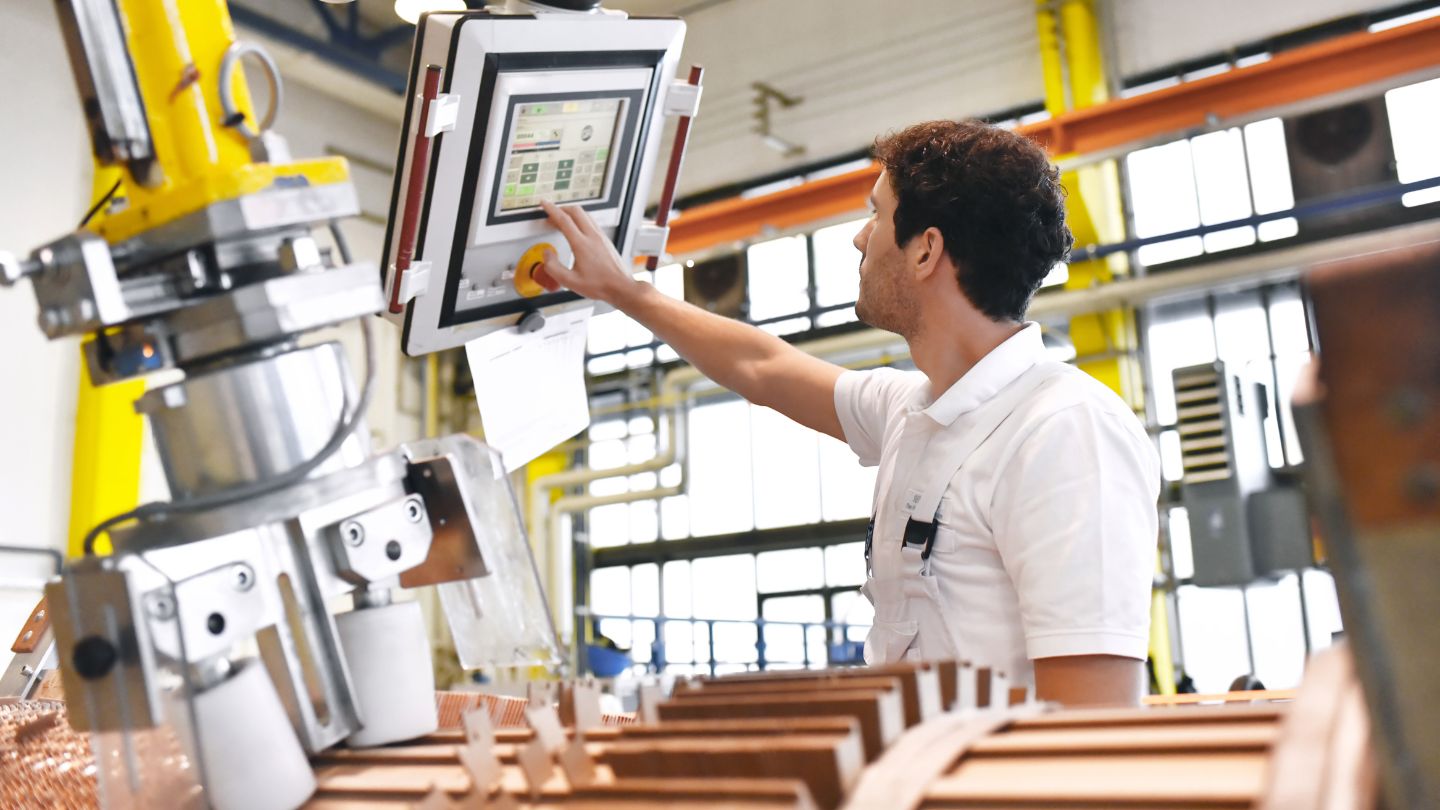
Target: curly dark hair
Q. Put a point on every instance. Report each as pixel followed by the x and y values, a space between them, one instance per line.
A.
pixel 996 199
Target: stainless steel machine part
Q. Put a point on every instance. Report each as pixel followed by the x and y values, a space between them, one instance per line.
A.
pixel 247 423
pixel 106 79
pixel 21 678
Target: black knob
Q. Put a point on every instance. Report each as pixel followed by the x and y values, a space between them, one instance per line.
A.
pixel 94 657
pixel 392 549
pixel 215 623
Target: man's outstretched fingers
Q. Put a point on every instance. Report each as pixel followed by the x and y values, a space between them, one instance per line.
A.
pixel 561 220
pixel 584 220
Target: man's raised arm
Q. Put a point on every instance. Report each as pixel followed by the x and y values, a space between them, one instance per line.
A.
pixel 754 364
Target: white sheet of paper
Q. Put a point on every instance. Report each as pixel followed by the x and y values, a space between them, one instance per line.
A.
pixel 531 387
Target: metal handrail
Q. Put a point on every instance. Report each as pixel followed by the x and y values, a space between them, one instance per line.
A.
pixel 659 663
pixel 21 584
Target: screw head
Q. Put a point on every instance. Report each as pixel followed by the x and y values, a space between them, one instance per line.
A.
pixel 353 533
pixel 161 607
pixel 244 578
pixel 414 512
pixel 94 657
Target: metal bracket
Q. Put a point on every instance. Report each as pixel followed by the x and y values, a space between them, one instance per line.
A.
pixel 444 112
pixel 455 553
pixel 415 281
pixel 214 610
pixel 381 543
pixel 109 668
pixel 22 677
pixel 683 99
pixel 650 239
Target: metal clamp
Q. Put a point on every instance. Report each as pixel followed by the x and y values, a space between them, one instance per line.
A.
pixel 444 112
pixel 414 282
pixel 650 239
pixel 215 610
pixel 108 661
pixel 683 99
pixel 381 543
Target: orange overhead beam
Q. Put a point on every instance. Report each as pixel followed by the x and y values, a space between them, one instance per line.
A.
pixel 1336 65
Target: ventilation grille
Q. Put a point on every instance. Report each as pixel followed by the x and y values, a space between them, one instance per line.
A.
pixel 1199 405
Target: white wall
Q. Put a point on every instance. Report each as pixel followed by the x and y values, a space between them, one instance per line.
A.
pixel 44 190
pixel 45 178
pixel 1152 34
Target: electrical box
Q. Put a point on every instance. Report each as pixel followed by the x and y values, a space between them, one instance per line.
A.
pixel 1245 522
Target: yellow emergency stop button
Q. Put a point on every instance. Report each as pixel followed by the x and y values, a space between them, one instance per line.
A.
pixel 530 262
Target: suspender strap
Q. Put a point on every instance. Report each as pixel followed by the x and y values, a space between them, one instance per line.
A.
pixel 922 533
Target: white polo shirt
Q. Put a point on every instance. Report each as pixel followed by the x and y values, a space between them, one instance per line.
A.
pixel 1047 536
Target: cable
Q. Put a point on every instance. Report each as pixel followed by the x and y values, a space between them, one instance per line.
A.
pixel 95 209
pixel 341 246
pixel 244 492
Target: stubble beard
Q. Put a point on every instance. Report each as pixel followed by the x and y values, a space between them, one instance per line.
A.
pixel 883 305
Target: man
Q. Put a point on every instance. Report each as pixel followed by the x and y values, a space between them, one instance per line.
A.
pixel 1014 520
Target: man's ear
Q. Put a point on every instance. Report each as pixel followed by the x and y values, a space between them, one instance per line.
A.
pixel 928 254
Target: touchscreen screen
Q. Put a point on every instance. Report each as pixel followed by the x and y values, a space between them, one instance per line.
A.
pixel 559 151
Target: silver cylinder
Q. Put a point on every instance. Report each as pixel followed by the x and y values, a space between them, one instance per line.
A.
pixel 252 421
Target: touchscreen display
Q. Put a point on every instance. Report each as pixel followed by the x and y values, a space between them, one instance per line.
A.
pixel 559 151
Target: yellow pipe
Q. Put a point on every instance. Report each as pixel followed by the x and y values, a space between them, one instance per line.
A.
pixel 105 460
pixel 105 457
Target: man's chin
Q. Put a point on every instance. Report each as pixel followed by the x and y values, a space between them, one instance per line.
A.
pixel 868 318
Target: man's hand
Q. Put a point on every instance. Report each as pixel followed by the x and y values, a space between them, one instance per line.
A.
pixel 754 364
pixel 598 272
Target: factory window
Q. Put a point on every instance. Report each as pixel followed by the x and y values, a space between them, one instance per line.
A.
pixel 779 278
pixel 837 263
pixel 721 498
pixel 711 606
pixel 1208 180
pixel 616 443
pixel 1414 113
pixel 1262 335
pixel 750 468
pixel 613 333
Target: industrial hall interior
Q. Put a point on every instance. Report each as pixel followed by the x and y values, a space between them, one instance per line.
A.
pixel 788 404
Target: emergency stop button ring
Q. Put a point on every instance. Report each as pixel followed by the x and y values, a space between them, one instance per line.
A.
pixel 530 276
